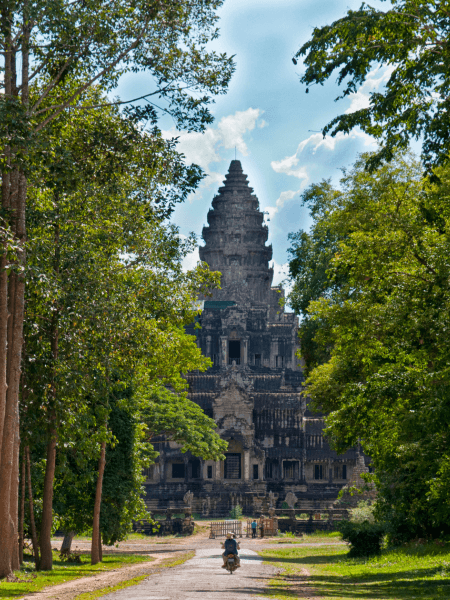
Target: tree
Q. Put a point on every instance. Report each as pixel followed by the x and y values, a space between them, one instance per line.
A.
pixel 105 281
pixel 311 255
pixel 63 49
pixel 385 379
pixel 411 38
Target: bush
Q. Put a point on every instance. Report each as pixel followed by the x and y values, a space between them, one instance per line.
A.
pixel 363 512
pixel 365 538
pixel 236 512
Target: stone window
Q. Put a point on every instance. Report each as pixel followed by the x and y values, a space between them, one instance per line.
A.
pixel 255 471
pixel 194 468
pixel 232 467
pixel 280 362
pixel 290 469
pixel 257 360
pixel 340 472
pixel 271 468
pixel 318 471
pixel 209 472
pixel 177 470
pixel 234 352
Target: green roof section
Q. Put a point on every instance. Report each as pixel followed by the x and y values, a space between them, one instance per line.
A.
pixel 218 304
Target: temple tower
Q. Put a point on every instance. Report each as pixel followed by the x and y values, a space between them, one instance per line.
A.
pixel 235 242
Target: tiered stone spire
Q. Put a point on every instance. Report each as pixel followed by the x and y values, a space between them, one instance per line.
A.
pixel 235 241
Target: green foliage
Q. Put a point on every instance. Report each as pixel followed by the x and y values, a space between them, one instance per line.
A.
pixel 381 368
pixel 236 512
pixel 410 39
pixel 365 538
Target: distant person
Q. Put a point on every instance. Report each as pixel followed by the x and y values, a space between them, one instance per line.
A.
pixel 254 528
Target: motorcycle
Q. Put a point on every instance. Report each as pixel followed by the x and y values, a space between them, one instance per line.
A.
pixel 231 564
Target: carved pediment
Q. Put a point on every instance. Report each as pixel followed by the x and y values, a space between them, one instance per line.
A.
pixel 233 404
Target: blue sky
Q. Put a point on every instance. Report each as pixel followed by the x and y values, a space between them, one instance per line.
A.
pixel 268 116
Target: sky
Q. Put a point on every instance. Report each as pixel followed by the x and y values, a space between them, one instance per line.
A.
pixel 267 116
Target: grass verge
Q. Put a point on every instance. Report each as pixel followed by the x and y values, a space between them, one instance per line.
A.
pixel 315 537
pixel 34 581
pixel 399 574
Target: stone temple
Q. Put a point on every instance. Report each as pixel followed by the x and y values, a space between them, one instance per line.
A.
pixel 254 389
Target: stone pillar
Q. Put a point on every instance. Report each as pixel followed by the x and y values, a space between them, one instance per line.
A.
pixel 246 465
pixel 330 471
pixel 217 470
pixel 223 356
pixel 280 467
pixel 273 353
pixel 208 346
pixel 245 352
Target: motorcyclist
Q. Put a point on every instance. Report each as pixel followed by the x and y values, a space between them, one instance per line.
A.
pixel 231 546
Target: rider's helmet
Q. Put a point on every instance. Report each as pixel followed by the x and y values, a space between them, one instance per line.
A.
pixel 229 536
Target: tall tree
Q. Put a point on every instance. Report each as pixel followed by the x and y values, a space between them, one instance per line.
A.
pixel 105 279
pixel 382 332
pixel 56 43
pixel 411 38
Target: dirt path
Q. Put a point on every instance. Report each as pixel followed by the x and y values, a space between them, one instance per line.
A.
pixel 203 577
pixel 72 589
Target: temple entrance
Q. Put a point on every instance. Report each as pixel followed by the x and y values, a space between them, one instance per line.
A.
pixel 232 467
pixel 234 352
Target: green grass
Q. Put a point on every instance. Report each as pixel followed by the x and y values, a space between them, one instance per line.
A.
pixel 32 581
pixel 315 537
pixel 112 588
pixel 401 574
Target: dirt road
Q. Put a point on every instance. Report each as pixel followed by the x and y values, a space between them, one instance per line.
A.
pixel 203 577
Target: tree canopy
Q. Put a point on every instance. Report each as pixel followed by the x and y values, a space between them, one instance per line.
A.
pixel 379 365
pixel 411 39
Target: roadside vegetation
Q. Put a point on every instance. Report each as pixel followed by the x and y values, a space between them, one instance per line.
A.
pixel 412 571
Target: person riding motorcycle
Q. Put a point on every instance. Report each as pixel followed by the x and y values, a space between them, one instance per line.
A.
pixel 231 546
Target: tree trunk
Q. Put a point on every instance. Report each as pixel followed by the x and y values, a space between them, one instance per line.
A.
pixel 100 549
pixel 14 190
pixel 22 508
pixel 32 523
pixel 47 500
pixel 6 411
pixel 96 542
pixel 67 541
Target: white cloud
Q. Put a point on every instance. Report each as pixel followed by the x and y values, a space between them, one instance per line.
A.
pixel 289 166
pixel 190 261
pixel 310 157
pixel 376 78
pixel 203 148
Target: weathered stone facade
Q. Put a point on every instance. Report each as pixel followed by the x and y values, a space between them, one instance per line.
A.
pixel 254 389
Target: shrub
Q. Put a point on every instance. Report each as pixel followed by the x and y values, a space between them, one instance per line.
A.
pixel 236 512
pixel 365 538
pixel 363 512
